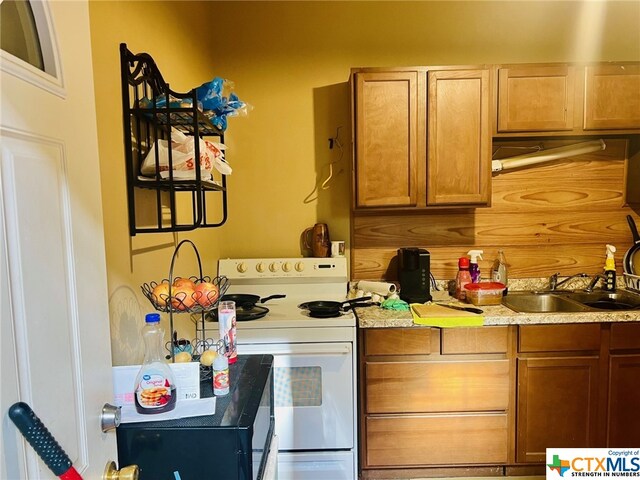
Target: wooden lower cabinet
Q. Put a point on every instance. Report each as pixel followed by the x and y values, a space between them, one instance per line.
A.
pixel 466 399
pixel 624 401
pixel 436 440
pixel 434 398
pixel 623 419
pixel 557 405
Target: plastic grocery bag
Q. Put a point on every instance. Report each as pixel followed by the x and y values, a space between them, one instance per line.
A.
pixel 183 158
pixel 218 101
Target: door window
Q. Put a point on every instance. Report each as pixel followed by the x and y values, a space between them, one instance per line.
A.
pixel 18 32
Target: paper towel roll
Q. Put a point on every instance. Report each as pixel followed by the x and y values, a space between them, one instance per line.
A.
pixel 381 288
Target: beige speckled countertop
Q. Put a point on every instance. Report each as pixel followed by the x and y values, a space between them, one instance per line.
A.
pixel 376 317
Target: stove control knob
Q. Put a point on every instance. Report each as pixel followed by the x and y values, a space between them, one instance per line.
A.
pixel 299 266
pixel 242 267
pixel 260 267
pixel 286 266
pixel 274 267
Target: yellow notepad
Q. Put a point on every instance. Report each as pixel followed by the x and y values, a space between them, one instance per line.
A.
pixel 437 316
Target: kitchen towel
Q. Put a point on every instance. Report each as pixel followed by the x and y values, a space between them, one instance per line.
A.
pixel 381 288
pixel 433 315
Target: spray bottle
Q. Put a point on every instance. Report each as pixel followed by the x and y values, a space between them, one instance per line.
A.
pixel 474 268
pixel 610 270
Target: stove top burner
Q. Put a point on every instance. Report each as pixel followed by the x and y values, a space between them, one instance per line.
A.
pixel 243 314
pixel 324 315
pixel 308 314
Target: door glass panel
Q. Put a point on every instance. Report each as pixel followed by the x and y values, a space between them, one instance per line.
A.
pixel 18 32
pixel 298 386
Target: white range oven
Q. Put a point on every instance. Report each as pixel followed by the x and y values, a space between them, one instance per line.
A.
pixel 314 359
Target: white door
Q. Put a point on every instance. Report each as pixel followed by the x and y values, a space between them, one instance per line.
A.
pixel 55 325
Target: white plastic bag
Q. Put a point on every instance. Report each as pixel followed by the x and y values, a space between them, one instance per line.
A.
pixel 183 158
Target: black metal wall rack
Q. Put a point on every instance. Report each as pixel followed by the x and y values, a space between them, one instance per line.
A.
pixel 157 204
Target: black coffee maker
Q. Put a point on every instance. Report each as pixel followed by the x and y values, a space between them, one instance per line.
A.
pixel 414 274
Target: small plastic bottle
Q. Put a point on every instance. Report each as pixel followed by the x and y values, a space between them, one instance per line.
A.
pixel 474 268
pixel 155 387
pixel 462 278
pixel 499 269
pixel 221 375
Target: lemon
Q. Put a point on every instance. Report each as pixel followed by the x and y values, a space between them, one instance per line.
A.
pixel 183 357
pixel 207 357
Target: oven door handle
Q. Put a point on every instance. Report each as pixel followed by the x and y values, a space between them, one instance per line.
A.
pixel 297 348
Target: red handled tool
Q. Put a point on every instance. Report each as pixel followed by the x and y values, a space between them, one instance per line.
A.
pixel 42 441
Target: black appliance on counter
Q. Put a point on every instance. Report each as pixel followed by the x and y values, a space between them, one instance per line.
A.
pixel 414 274
pixel 232 444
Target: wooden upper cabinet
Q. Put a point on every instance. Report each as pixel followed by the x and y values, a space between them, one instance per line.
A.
pixel 612 97
pixel 459 138
pixel 386 140
pixel 536 98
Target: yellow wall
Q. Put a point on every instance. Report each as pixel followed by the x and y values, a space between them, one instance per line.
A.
pixel 291 61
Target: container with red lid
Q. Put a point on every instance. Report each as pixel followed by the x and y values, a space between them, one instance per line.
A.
pixel 485 293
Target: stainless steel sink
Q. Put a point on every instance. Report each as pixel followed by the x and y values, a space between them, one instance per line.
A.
pixel 620 300
pixel 571 301
pixel 541 303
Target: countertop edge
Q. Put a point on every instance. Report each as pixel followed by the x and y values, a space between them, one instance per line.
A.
pixel 372 317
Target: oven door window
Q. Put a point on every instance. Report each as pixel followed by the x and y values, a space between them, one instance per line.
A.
pixel 298 386
pixel 313 394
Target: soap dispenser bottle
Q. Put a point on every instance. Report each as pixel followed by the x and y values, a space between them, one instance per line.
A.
pixel 474 268
pixel 610 270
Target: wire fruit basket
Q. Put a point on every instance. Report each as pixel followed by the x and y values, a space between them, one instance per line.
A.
pixel 190 295
pixel 195 295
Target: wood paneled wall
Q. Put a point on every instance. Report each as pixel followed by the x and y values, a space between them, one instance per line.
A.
pixel 555 217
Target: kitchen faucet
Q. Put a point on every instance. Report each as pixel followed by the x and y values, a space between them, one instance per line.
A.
pixel 594 282
pixel 553 280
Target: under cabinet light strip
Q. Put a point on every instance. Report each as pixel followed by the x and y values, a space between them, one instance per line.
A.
pixel 543 156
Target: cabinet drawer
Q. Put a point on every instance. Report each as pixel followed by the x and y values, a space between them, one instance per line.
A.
pixel 436 440
pixel 397 341
pixel 453 386
pixel 625 336
pixel 559 338
pixel 474 340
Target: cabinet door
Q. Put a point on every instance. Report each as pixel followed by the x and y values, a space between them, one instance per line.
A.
pixel 557 405
pixel 386 122
pixel 623 425
pixel 535 98
pixel 612 97
pixel 459 140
